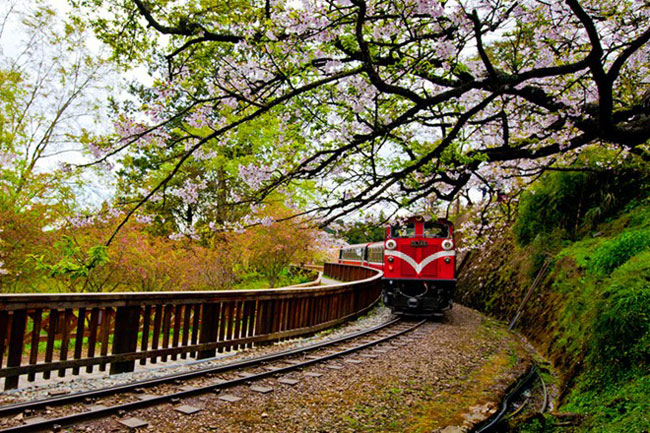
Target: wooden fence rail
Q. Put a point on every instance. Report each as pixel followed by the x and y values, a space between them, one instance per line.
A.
pixel 42 333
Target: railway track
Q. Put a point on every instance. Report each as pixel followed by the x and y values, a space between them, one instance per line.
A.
pixel 73 409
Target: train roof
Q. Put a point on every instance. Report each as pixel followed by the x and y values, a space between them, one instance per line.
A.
pixel 423 218
pixel 367 244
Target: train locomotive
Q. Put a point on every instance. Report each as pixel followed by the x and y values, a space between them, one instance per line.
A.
pixel 418 258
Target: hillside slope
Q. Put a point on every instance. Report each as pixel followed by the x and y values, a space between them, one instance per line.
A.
pixel 590 315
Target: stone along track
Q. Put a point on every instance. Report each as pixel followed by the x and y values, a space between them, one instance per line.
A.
pixel 76 408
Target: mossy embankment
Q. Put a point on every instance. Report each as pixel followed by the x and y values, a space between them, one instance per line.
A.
pixel 590 315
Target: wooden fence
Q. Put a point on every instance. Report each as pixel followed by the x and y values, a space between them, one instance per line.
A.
pixel 42 333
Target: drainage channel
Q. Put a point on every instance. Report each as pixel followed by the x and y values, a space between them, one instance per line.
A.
pixel 492 424
pixel 147 400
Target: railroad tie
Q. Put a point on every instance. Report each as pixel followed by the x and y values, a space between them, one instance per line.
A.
pixel 133 423
pixel 186 409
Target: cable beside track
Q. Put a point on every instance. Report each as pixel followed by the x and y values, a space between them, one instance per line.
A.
pixel 493 421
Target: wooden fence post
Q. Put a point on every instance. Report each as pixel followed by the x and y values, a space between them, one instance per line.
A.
pixel 15 355
pixel 208 332
pixel 125 338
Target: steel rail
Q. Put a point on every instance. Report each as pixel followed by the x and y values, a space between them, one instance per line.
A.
pixel 103 412
pixel 102 392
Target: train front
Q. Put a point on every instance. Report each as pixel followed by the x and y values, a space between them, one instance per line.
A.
pixel 419 267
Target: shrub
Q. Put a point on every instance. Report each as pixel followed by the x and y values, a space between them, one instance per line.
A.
pixel 573 202
pixel 617 251
pixel 622 321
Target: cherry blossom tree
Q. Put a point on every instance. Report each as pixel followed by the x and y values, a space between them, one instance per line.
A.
pixel 389 102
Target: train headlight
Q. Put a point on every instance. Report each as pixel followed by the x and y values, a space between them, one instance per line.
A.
pixel 390 259
pixel 391 244
pixel 447 244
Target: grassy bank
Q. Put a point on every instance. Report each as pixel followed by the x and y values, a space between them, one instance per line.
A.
pixel 591 313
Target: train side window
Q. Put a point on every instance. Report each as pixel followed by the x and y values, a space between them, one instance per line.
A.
pixel 376 255
pixel 405 231
pixel 435 230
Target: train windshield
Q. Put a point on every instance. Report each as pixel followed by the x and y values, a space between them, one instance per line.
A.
pixel 404 231
pixel 435 230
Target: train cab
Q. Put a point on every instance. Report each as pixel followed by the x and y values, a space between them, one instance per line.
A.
pixel 419 266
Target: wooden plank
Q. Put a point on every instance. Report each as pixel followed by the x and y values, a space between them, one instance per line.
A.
pixel 273 314
pixel 10 302
pixel 313 318
pixel 317 309
pixel 259 317
pixel 15 346
pixel 332 310
pixel 101 300
pixel 4 335
pixel 266 318
pixel 92 335
pixel 178 311
pixel 37 318
pixel 222 323
pixel 106 317
pixel 166 326
pixel 196 320
pixel 146 324
pixel 79 337
pixel 231 323
pixel 304 304
pixel 291 313
pixel 51 336
pixel 155 336
pixel 239 306
pixel 246 320
pixel 65 338
pixel 279 315
pixel 187 312
pixel 295 320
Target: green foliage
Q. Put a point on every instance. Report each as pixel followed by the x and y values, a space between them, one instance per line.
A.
pixel 570 203
pixel 362 232
pixel 617 251
pixel 74 263
pixel 620 407
pixel 287 277
pixel 622 320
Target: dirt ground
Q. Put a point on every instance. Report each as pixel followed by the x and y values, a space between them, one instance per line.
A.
pixel 449 375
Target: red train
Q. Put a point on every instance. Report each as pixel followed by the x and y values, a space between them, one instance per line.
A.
pixel 418 258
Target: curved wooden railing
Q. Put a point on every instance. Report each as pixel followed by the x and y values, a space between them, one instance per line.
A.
pixel 41 333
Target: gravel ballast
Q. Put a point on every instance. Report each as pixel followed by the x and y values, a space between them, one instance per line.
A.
pixel 447 376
